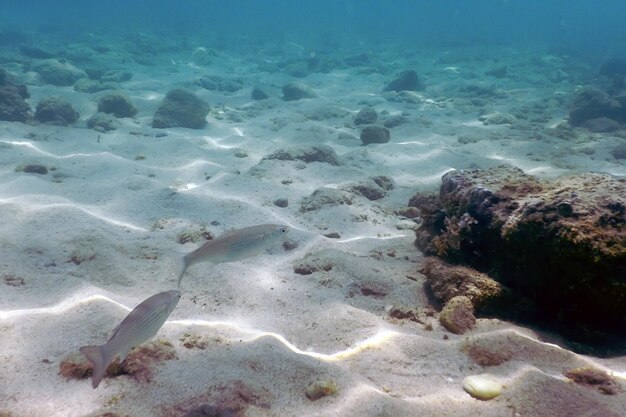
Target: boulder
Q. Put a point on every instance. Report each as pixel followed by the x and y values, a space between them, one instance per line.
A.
pixel 59 73
pixel 375 134
pixel 297 91
pixel 102 122
pixel 181 108
pixel 116 104
pixel 366 116
pixel 457 316
pixel 405 81
pixel 56 111
pixel 560 243
pixel 13 106
pixel 258 94
pixel 592 103
pixel 601 125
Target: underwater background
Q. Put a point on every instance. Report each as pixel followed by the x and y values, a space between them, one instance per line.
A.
pixel 313 208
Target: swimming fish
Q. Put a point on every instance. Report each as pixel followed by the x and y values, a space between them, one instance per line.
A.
pixel 141 324
pixel 233 246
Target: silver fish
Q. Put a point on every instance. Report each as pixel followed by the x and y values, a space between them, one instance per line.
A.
pixel 233 246
pixel 141 324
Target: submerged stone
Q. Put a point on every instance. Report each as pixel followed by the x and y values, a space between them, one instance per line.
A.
pixel 181 108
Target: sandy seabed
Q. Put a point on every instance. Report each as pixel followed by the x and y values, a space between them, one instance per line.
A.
pixel 95 236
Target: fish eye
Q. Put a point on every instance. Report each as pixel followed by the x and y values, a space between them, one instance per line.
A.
pixel 283 230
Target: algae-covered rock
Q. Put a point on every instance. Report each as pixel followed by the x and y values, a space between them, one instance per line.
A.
pixel 56 111
pixel 457 316
pixel 297 91
pixel 181 108
pixel 117 104
pixel 561 243
pixel 59 73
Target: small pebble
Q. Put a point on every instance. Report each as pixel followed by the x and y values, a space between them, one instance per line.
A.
pixel 281 202
pixel 482 387
pixel 320 389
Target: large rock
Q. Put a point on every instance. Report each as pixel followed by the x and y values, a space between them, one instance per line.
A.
pixel 297 91
pixel 117 104
pixel 13 106
pixel 59 73
pixel 592 103
pixel 56 111
pixel 560 243
pixel 375 134
pixel 366 116
pixel 181 108
pixel 405 81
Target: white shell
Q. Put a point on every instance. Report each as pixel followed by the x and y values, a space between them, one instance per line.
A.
pixel 482 387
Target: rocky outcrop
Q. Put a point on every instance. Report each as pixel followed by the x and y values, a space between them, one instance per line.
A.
pixel 13 106
pixel 56 110
pixel 59 73
pixel 375 134
pixel 561 243
pixel 405 81
pixel 117 104
pixel 592 103
pixel 181 108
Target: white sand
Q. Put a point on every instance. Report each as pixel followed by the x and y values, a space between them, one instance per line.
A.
pixel 270 332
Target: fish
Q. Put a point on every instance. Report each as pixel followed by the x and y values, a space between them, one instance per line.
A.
pixel 140 325
pixel 232 246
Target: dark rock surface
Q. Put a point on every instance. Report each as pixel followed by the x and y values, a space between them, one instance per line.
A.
pixel 56 111
pixel 117 104
pixel 561 243
pixel 181 108
pixel 592 103
pixel 619 152
pixel 319 153
pixel 366 116
pixel 457 316
pixel 13 106
pixel 375 134
pixel 297 91
pixel 59 73
pixel 601 125
pixel 407 80
pixel 258 94
pixel 102 122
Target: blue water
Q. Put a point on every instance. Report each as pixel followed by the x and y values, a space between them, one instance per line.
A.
pixel 584 26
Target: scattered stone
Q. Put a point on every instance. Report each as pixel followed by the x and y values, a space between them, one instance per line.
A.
pixel 619 152
pixel 55 110
pixel 370 190
pixel 194 341
pixel 102 122
pixel 311 265
pixel 13 106
pixel 395 121
pixel 405 81
pixel 218 83
pixel 498 118
pixel 281 202
pixel 297 91
pixel 258 94
pixel 499 72
pixel 320 389
pixel 194 236
pixel 117 104
pixel 325 197
pixel 592 103
pixel 33 169
pixel 457 316
pixel 318 153
pixel 181 108
pixel 59 73
pixel 384 182
pixel 332 235
pixel 366 116
pixel 375 134
pixel 326 113
pixel 208 410
pixel 13 280
pixel 601 125
pixel 594 378
pixel 482 387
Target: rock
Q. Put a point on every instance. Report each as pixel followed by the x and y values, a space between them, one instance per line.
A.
pixel 181 108
pixel 384 182
pixel 405 81
pixel 115 76
pixel 395 121
pixel 281 202
pixel 33 169
pixel 326 112
pixel 498 118
pixel 13 106
pixel 366 116
pixel 102 122
pixel 592 103
pixel 601 124
pixel 215 82
pixel 619 152
pixel 375 134
pixel 258 94
pixel 559 243
pixel 297 69
pixel 457 316
pixel 56 111
pixel 594 378
pixel 320 389
pixel 116 104
pixel 59 73
pixel 482 387
pixel 369 190
pixel 319 153
pixel 612 67
pixel 325 197
pixel 448 281
pixel 297 91
pixel 499 72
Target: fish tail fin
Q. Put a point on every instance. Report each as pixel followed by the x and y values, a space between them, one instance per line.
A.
pixel 181 266
pixel 97 357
